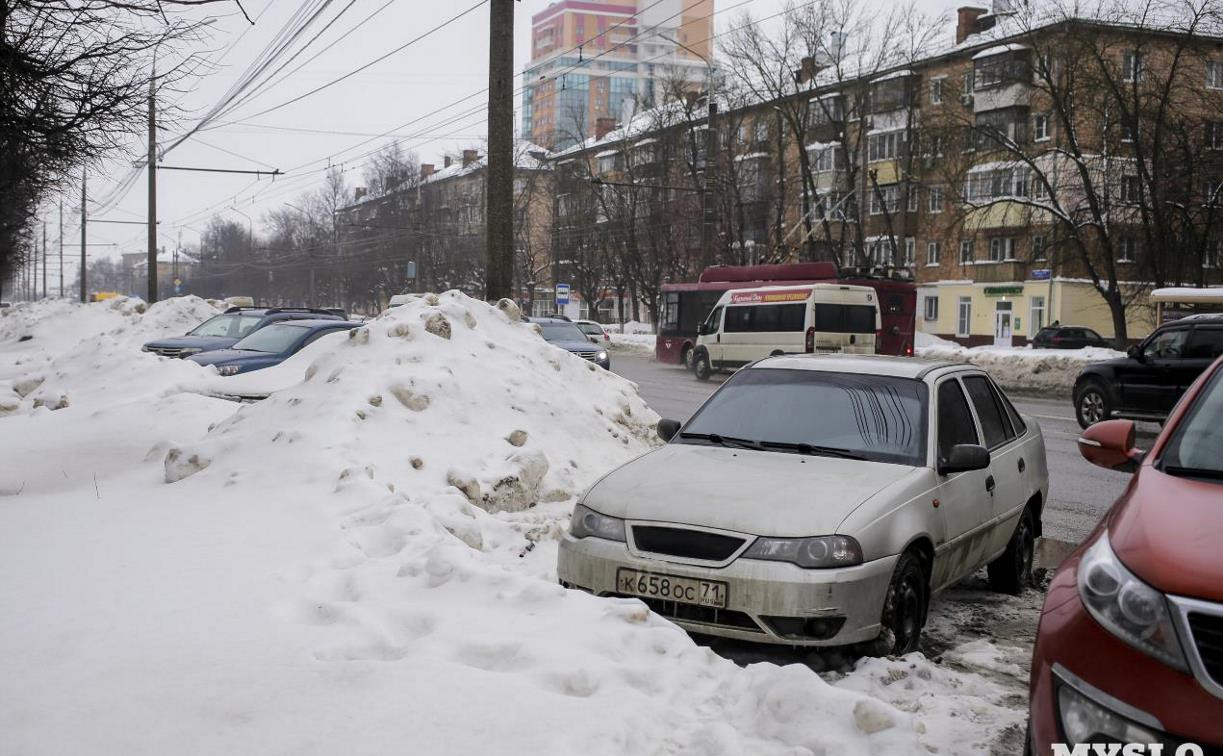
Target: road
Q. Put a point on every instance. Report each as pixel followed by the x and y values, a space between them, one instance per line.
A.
pixel 1079 493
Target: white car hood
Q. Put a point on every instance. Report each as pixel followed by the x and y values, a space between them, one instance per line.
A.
pixel 762 493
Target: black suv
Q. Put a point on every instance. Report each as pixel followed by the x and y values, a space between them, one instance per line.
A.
pixel 1067 337
pixel 1146 384
pixel 224 330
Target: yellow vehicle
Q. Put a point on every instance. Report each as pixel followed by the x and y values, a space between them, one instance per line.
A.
pixel 102 296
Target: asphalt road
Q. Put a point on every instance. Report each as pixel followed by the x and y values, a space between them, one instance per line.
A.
pixel 1079 493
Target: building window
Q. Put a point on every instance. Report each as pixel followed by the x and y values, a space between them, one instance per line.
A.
pixel 966 252
pixel 880 252
pixel 885 199
pixel 936 91
pixel 1036 316
pixel 1212 257
pixel 966 85
pixel 762 131
pixel 963 321
pixel 826 110
pixel 1214 74
pixel 934 200
pixel 1214 135
pixel 1126 247
pixel 910 251
pixel 930 306
pixel 830 158
pixel 885 146
pixel 911 201
pixel 1040 127
pixel 985 185
pixel 1001 248
pixel 1131 65
pixel 1039 248
pixel 932 253
pixel 1131 189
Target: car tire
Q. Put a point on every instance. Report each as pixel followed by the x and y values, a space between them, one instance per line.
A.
pixel 904 608
pixel 701 367
pixel 1012 572
pixel 685 357
pixel 1091 403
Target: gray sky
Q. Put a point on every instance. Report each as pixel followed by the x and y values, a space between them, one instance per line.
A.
pixel 444 67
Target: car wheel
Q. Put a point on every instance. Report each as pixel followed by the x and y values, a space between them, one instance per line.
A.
pixel 904 608
pixel 1091 404
pixel 1012 572
pixel 685 357
pixel 701 367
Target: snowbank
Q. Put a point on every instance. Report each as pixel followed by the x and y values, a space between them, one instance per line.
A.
pixel 638 342
pixel 1018 368
pixel 361 563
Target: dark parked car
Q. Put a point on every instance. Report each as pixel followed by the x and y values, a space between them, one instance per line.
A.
pixel 271 345
pixel 567 336
pixel 1147 383
pixel 224 330
pixel 1067 337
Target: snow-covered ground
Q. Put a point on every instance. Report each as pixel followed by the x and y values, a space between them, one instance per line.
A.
pixel 364 562
pixel 1018 368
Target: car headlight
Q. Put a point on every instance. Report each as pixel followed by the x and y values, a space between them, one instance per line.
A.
pixel 601 356
pixel 1085 721
pixel 229 369
pixel 587 522
pixel 1127 607
pixel 820 551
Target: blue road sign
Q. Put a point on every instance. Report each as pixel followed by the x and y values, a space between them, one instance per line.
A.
pixel 562 294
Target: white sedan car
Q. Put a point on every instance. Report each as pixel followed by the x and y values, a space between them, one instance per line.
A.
pixel 819 500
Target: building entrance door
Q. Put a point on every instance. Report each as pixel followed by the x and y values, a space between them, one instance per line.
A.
pixel 1002 324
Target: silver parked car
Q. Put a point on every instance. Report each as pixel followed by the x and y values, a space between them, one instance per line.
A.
pixel 819 500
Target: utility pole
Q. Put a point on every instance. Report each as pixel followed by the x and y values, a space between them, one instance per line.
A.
pixel 44 259
pixel 711 175
pixel 499 189
pixel 152 294
pixel 61 247
pixel 84 294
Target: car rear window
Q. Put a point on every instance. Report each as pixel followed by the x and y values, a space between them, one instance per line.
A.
pixel 1204 343
pixel 881 418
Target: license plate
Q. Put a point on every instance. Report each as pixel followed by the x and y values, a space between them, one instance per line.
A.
pixel 684 590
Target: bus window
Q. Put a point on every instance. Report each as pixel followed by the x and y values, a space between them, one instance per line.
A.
pixel 835 318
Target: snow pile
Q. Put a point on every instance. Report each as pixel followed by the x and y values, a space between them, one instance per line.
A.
pixel 45 345
pixel 640 342
pixel 361 563
pixel 1019 368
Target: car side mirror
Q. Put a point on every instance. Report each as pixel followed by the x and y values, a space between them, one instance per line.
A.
pixel 964 458
pixel 667 429
pixel 1135 353
pixel 702 330
pixel 1110 444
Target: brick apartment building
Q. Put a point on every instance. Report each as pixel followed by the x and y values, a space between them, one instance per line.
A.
pixel 969 169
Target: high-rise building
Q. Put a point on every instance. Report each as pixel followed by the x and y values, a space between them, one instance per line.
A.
pixel 605 60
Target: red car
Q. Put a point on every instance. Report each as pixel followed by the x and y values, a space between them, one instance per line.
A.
pixel 1130 644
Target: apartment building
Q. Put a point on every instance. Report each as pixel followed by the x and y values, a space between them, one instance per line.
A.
pixel 968 170
pixel 592 60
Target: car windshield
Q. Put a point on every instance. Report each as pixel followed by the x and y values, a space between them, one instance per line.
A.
pixel 590 329
pixel 233 325
pixel 1196 447
pixel 879 418
pixel 562 332
pixel 274 339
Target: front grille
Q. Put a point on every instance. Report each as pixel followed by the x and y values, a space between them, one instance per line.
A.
pixel 587 355
pixel 167 351
pixel 688 544
pixel 706 615
pixel 1207 632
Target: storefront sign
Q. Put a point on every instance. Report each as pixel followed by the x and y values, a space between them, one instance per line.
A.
pixel 1003 291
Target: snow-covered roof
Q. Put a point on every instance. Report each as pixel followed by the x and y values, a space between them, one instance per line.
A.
pixel 821 146
pixel 607 153
pixel 1000 165
pixel 990 52
pixel 1188 295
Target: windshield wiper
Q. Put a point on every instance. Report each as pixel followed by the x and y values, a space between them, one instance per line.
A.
pixel 1193 472
pixel 812 449
pixel 720 440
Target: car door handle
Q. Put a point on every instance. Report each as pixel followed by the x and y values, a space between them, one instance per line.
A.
pixel 1022 465
pixel 989 484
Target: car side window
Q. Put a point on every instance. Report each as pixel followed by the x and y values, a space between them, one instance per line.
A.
pixel 1204 344
pixel 1017 424
pixel 1166 345
pixel 955 423
pixel 994 423
pixel 1093 335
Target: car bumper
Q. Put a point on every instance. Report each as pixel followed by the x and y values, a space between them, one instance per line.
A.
pixel 767 602
pixel 1076 657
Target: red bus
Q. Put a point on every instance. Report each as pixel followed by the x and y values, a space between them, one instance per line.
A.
pixel 686 305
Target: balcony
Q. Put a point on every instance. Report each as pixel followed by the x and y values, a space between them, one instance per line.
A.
pixel 1000 272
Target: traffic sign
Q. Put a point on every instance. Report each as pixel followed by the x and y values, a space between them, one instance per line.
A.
pixel 562 294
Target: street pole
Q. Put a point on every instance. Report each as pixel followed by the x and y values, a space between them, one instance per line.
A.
pixel 44 259
pixel 152 293
pixel 707 197
pixel 499 256
pixel 61 247
pixel 84 294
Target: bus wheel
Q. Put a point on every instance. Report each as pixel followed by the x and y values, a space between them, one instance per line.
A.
pixel 685 357
pixel 701 367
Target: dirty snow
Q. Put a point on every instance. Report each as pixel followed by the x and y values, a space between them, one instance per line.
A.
pixel 1018 368
pixel 364 561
